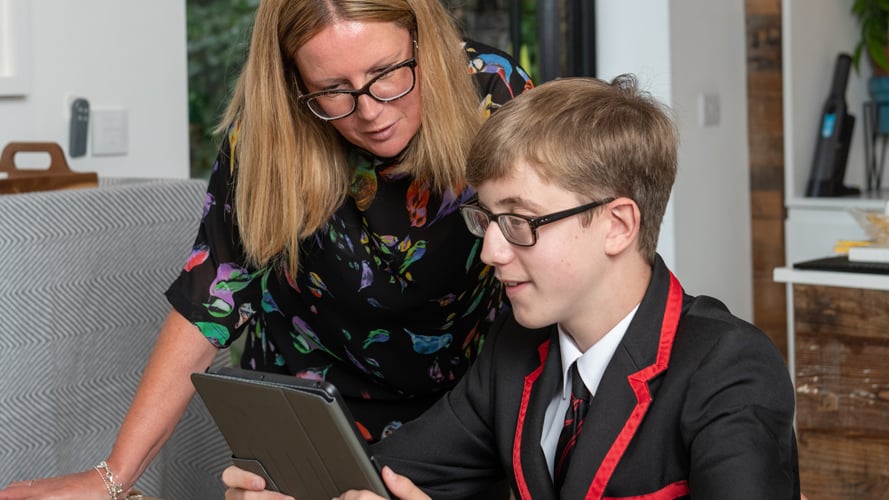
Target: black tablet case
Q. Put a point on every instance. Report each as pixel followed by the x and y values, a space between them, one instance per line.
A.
pixel 296 433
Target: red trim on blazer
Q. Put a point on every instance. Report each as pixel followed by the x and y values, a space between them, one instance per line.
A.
pixel 639 382
pixel 522 485
pixel 669 492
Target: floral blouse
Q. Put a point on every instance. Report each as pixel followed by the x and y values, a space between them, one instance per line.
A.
pixel 391 303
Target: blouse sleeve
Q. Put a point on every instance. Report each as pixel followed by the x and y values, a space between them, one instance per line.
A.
pixel 498 77
pixel 215 289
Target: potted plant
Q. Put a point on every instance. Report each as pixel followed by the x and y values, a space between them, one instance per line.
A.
pixel 873 18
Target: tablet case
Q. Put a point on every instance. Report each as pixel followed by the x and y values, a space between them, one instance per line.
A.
pixel 296 433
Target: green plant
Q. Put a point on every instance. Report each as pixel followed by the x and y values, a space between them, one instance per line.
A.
pixel 873 18
pixel 218 33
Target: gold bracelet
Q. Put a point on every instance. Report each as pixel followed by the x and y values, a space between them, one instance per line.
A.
pixel 114 489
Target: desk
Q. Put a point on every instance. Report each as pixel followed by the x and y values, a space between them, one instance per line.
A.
pixel 838 354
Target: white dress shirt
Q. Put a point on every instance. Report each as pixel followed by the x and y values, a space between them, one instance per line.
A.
pixel 591 365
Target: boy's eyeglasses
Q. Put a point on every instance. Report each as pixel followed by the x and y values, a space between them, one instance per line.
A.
pixel 394 83
pixel 518 229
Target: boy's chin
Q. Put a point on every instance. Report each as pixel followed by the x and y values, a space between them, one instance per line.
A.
pixel 530 320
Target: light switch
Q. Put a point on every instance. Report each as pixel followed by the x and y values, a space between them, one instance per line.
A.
pixel 708 110
pixel 110 132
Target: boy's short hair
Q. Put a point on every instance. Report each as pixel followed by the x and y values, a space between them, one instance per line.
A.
pixel 590 137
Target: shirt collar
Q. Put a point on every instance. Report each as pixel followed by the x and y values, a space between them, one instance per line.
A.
pixel 592 363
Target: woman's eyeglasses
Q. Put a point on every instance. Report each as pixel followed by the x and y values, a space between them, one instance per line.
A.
pixel 394 83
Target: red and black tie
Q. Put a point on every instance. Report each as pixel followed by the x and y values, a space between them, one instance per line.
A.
pixel 573 424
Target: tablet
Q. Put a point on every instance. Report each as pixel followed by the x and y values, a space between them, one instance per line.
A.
pixel 296 433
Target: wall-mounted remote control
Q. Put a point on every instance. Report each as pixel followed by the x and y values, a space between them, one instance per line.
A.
pixel 80 118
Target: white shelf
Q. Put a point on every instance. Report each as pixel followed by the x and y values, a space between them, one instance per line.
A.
pixel 868 281
pixel 867 201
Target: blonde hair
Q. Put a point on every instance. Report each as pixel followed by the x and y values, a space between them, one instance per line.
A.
pixel 292 171
pixel 589 137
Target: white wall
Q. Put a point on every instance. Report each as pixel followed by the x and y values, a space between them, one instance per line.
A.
pixel 128 55
pixel 681 50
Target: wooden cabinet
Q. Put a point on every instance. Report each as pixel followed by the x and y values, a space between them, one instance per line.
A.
pixel 842 387
pixel 840 340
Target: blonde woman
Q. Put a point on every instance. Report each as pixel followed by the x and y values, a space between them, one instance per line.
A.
pixel 331 236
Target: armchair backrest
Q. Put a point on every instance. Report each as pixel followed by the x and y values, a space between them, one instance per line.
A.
pixel 82 276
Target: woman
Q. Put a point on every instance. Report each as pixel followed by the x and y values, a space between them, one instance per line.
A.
pixel 330 233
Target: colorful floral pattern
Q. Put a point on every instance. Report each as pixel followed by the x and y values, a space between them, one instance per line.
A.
pixel 391 303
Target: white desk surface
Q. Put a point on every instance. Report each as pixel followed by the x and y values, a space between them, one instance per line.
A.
pixel 793 276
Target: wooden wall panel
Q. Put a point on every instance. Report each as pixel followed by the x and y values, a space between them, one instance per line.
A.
pixel 766 145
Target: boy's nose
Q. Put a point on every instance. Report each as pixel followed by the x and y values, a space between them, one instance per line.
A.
pixel 495 249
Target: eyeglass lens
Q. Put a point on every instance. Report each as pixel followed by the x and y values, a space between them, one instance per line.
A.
pixel 515 229
pixel 388 86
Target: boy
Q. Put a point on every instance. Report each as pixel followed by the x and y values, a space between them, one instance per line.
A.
pixel 684 399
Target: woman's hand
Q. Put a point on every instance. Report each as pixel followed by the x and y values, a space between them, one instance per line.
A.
pixel 86 485
pixel 243 485
pixel 400 487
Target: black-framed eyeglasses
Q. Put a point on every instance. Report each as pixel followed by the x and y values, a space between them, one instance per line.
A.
pixel 393 83
pixel 518 229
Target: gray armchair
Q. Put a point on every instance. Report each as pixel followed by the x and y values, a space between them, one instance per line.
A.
pixel 82 276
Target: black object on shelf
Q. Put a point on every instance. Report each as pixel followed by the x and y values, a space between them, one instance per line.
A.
pixel 834 136
pixel 842 264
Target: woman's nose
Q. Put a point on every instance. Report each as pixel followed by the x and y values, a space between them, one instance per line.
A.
pixel 368 107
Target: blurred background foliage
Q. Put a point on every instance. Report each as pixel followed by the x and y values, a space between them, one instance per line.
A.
pixel 218 34
pixel 489 22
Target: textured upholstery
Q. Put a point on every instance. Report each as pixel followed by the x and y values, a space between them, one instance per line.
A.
pixel 82 276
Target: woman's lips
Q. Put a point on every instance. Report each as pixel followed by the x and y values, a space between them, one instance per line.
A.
pixel 382 134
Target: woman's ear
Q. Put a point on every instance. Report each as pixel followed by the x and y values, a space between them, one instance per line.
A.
pixel 623 217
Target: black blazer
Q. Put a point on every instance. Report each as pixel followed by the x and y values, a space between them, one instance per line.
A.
pixel 695 403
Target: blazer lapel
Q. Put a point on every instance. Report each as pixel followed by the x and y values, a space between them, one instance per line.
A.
pixel 623 396
pixel 529 462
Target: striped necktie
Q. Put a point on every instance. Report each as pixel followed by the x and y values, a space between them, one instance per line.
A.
pixel 573 424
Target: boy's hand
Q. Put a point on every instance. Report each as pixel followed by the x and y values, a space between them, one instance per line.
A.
pixel 243 485
pixel 400 487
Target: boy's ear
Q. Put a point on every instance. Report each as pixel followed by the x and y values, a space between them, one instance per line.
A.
pixel 623 216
